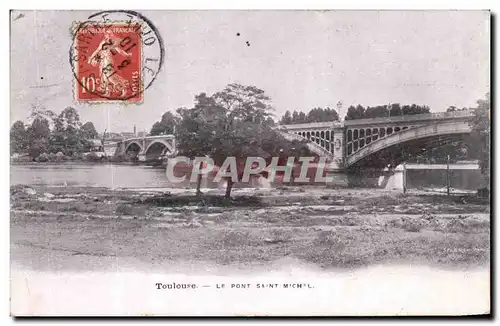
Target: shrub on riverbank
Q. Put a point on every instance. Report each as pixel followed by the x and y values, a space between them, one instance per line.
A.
pixel 51 157
pixel 60 157
pixel 93 157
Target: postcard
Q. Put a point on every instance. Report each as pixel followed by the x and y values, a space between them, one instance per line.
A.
pixel 250 163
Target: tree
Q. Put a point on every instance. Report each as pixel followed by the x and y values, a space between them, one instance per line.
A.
pixel 383 111
pixel 243 109
pixel 269 122
pixel 18 138
pixel 315 115
pixel 196 129
pixel 66 135
pixel 88 131
pixel 379 111
pixel 415 109
pixel 287 118
pixel 353 112
pixel 38 137
pixel 40 112
pixel 480 125
pixel 166 125
pixel 302 117
pixel 322 115
pixel 230 123
pixel 395 110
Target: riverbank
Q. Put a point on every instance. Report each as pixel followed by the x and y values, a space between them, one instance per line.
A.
pixel 95 251
pixel 60 228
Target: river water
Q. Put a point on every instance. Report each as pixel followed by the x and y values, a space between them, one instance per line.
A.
pixel 143 176
pixel 112 176
pixel 91 175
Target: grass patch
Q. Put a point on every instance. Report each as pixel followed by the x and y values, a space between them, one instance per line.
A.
pixel 79 207
pixel 34 206
pixel 233 238
pixel 466 224
pixel 130 210
pixel 208 200
pixel 278 236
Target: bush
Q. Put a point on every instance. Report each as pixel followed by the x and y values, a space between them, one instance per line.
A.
pixel 330 241
pixel 52 157
pixel 44 157
pixel 92 157
pixel 117 158
pixel 411 225
pixel 76 156
pixel 234 238
pixel 279 235
pixel 126 209
pixel 60 157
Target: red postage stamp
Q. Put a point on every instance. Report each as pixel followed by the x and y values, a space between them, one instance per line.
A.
pixel 107 63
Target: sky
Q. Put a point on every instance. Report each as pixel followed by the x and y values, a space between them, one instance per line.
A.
pixel 301 59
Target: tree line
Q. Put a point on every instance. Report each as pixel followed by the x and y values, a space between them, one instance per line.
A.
pixel 49 133
pixel 353 112
pixel 315 115
pixel 235 121
pixel 384 111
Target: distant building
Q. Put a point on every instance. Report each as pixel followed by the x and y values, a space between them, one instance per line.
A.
pixel 127 135
pixel 112 135
pixel 142 134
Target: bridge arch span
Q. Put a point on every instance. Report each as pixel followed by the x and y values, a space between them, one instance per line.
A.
pixel 421 136
pixel 133 144
pixel 166 146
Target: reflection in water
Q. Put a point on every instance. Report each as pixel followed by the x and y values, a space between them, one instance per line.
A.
pixel 95 175
pixel 104 175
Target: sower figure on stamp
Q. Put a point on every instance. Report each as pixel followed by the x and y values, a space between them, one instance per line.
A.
pixel 103 56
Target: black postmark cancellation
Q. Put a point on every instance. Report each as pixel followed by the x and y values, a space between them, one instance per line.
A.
pixel 115 55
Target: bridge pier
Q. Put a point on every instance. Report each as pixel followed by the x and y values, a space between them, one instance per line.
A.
pixel 392 179
pixel 340 178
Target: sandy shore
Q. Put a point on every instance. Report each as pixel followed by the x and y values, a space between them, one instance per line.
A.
pixel 362 251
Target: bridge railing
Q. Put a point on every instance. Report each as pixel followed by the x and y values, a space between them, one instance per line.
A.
pixel 150 137
pixel 412 117
pixel 321 125
pixel 399 118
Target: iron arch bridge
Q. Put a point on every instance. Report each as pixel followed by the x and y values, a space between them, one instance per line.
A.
pixel 362 142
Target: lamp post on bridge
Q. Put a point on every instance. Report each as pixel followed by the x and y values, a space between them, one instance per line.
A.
pixel 339 107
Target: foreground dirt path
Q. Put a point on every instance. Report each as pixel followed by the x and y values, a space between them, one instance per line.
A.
pixel 99 229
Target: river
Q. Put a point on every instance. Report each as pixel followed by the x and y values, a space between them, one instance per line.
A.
pixel 91 175
pixel 129 176
pixel 143 176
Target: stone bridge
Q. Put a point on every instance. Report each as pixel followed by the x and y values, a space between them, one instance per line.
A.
pixel 380 142
pixel 144 148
